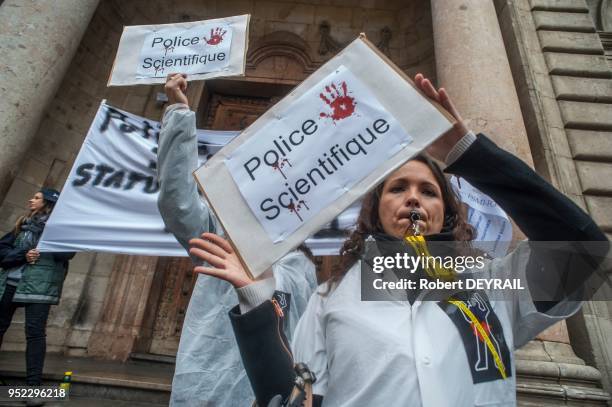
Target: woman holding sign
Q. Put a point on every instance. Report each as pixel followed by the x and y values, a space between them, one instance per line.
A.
pixel 31 279
pixel 387 353
pixel 208 367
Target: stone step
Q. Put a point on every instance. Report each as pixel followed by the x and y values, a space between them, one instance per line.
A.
pixel 131 381
pixel 150 357
pixel 89 402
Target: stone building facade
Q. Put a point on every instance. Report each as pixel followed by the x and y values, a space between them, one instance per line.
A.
pixel 534 74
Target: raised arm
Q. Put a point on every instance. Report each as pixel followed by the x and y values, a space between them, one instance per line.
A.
pixel 184 213
pixel 541 211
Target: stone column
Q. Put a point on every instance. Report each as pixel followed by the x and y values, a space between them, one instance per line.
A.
pixel 38 39
pixel 472 64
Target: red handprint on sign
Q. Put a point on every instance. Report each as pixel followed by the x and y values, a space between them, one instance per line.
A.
pixel 341 104
pixel 216 36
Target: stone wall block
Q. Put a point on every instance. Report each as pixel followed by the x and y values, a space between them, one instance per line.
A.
pixel 572 6
pixel 590 145
pixel 549 20
pixel 234 8
pixel 103 265
pixel 296 28
pixel 73 285
pixel 587 116
pixel 20 192
pixel 599 209
pixel 287 12
pixel 61 315
pixel 8 215
pixel 594 66
pixel 336 16
pixel 78 338
pixel 56 338
pixel 34 171
pixel 570 42
pixel 378 19
pixel 583 89
pixel 358 16
pixel 595 177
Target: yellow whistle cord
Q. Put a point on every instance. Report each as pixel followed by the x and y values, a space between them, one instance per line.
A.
pixel 485 336
pixel 419 245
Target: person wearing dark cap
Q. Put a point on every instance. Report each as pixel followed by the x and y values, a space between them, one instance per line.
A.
pixel 31 279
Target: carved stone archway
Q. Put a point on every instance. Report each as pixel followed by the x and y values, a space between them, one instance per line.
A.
pixel 280 57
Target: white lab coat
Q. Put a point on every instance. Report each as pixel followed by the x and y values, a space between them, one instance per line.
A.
pixel 392 353
pixel 209 370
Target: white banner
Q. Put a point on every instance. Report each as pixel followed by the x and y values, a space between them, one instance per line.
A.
pixel 493 227
pixel 109 201
pixel 202 49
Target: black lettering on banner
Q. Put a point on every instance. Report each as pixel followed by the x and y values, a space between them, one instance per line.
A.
pixel 103 169
pixel 134 178
pixel 152 186
pixel 115 180
pixel 110 113
pixel 83 172
pixel 146 130
pixel 105 176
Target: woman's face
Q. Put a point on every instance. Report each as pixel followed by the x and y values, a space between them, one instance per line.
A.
pixel 412 187
pixel 36 203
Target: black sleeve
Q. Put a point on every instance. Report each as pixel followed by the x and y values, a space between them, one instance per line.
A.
pixel 10 256
pixel 542 212
pixel 6 244
pixel 265 351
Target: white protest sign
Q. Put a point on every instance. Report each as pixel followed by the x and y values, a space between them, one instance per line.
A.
pixel 333 138
pixel 493 228
pixel 165 50
pixel 202 49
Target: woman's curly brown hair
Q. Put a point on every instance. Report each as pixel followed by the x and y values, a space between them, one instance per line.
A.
pixel 368 222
